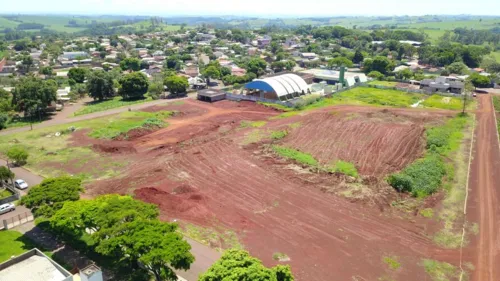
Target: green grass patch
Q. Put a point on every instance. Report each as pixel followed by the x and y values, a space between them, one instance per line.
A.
pixel 427 213
pixel 425 176
pixel 451 214
pixel 97 106
pixel 392 262
pixel 252 124
pixel 496 103
pixel 384 83
pixel 293 154
pixel 277 135
pixel 345 168
pixel 215 237
pixel 440 271
pixel 13 244
pixel 285 115
pixel 280 257
pixel 52 156
pixel 4 193
pixel 369 96
pixel 253 136
pixel 129 120
pixel 276 106
pixel 437 101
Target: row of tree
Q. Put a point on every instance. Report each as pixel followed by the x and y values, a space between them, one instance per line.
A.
pixel 128 233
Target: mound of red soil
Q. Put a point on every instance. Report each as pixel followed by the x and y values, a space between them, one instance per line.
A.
pixel 186 204
pixel 114 148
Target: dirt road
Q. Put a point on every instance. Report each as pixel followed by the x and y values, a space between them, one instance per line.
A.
pixel 485 193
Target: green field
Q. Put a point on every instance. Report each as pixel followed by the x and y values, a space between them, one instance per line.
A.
pixel 51 155
pixel 496 55
pixel 437 101
pixel 13 244
pixel 108 104
pixel 370 96
pixel 52 22
pixel 384 83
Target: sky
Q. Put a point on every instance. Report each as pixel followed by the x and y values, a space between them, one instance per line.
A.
pixel 253 7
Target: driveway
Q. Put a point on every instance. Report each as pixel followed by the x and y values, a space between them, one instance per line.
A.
pixel 27 176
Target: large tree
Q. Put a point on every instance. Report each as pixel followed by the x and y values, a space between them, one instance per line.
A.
pixel 5 175
pixel 17 154
pixel 133 85
pixel 479 81
pixel 133 64
pixel 257 66
pixel 155 245
pixel 51 194
pixel 211 72
pixel 340 61
pixel 380 63
pixel 77 74
pixel 176 84
pixel 100 85
pixel 358 57
pixel 457 68
pixel 32 95
pixel 239 265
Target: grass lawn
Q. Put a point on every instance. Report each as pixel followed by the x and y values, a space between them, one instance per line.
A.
pixel 369 96
pixel 13 244
pixel 97 106
pixel 384 83
pixel 51 156
pixel 437 101
pixel 5 193
pixel 496 55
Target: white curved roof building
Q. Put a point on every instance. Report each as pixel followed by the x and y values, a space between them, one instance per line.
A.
pixel 284 86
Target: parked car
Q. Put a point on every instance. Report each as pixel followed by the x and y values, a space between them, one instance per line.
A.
pixel 5 208
pixel 20 184
pixel 474 95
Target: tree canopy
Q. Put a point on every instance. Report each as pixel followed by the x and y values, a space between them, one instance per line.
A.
pixel 33 95
pixel 17 154
pixel 78 74
pixel 479 81
pixel 5 174
pixel 100 85
pixel 340 61
pixel 239 265
pixel 380 64
pixel 133 64
pixel 120 226
pixel 176 84
pixel 50 195
pixel 133 85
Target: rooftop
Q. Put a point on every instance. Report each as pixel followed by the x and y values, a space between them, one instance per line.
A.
pixel 33 266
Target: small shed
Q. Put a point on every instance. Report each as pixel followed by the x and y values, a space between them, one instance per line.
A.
pixel 211 95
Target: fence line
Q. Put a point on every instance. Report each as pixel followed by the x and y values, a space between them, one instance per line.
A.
pixel 17 220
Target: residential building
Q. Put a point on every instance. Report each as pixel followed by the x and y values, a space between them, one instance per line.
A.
pixel 73 55
pixel 34 265
pixel 443 84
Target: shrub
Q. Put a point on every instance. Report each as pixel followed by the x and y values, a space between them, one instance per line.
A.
pixel 3 120
pixel 18 154
pixel 401 182
pixel 152 123
pixel 300 157
pixel 345 168
pixel 376 75
pixel 277 135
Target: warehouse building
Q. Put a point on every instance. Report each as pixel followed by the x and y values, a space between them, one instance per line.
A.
pixel 333 77
pixel 211 95
pixel 281 87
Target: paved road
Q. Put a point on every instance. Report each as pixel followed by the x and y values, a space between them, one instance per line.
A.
pixel 66 118
pixel 484 205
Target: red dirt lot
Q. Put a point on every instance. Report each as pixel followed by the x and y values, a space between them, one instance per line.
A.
pixel 197 171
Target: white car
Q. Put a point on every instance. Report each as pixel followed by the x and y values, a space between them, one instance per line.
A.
pixel 20 184
pixel 5 208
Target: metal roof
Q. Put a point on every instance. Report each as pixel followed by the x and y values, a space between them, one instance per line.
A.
pixel 282 85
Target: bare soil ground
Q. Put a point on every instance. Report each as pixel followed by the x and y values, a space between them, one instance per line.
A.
pixel 484 195
pixel 200 170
